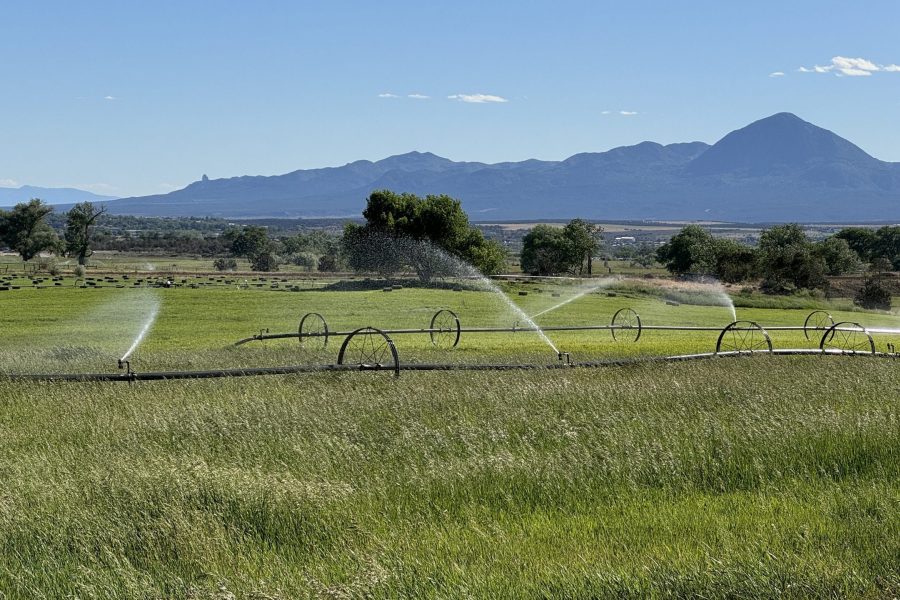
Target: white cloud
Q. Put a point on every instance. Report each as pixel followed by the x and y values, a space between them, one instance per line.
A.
pixel 418 96
pixel 388 95
pixel 853 73
pixel 843 66
pixel 606 112
pixel 776 74
pixel 628 113
pixel 109 97
pixel 9 183
pixel 478 98
pixel 853 64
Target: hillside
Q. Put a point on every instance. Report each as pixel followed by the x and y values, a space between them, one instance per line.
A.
pixel 778 168
pixel 13 196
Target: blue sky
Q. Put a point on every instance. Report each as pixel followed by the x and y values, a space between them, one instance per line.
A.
pixel 127 97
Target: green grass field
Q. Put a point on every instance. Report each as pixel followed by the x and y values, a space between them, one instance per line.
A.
pixel 735 477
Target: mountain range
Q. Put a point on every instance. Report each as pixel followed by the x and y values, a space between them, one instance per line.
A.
pixel 65 196
pixel 780 168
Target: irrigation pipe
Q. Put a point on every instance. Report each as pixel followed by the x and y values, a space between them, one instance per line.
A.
pixel 525 329
pixel 299 369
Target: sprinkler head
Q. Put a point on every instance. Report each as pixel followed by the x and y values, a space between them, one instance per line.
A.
pixel 121 364
pixel 563 356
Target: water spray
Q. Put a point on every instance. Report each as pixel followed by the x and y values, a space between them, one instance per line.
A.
pixel 148 323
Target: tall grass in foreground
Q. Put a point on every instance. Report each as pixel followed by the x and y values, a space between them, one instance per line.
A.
pixel 737 477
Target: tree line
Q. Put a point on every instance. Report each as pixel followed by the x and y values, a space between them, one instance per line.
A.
pixel 25 230
pixel 432 237
pixel 786 260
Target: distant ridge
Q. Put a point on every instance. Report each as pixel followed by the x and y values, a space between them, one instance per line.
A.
pixel 779 168
pixel 12 196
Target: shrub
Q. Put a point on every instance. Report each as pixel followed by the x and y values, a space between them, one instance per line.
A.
pixel 264 262
pixel 225 264
pixel 307 260
pixel 873 294
pixel 50 265
pixel 79 271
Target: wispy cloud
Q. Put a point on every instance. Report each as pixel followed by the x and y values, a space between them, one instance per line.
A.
pixel 109 97
pixel 418 96
pixel 777 74
pixel 624 113
pixel 842 66
pixel 9 183
pixel 388 95
pixel 478 98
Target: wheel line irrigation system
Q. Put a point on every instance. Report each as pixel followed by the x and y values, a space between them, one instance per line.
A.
pixel 372 349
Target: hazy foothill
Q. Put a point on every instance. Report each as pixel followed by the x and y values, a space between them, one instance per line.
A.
pixel 564 363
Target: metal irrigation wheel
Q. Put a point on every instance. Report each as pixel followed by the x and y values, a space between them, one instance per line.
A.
pixel 445 329
pixel 628 323
pixel 849 338
pixel 314 328
pixel 370 349
pixel 817 320
pixel 744 336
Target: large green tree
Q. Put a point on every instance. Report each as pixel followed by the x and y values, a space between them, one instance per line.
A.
pixel 25 230
pixel 861 240
pixel 691 251
pixel 545 251
pixel 887 244
pixel 584 241
pixel 735 262
pixel 253 243
pixel 872 244
pixel 80 223
pixel 427 235
pixel 788 260
pixel 838 256
pixel 548 250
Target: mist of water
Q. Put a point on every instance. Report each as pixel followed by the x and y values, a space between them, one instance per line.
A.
pixel 583 291
pixel 519 312
pixel 707 291
pixel 425 257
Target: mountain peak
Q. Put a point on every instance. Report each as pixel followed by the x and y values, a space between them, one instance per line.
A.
pixel 776 144
pixel 414 161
